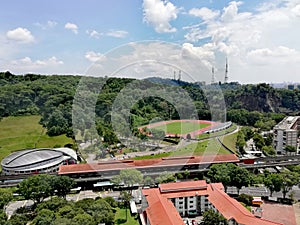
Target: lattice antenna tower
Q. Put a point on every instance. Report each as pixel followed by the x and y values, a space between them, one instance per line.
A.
pixel 212 75
pixel 226 71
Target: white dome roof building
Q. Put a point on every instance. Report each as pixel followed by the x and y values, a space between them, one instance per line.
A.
pixel 32 161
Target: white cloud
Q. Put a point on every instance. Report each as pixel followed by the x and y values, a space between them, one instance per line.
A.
pixel 50 24
pixel 94 34
pixel 147 59
pixel 261 45
pixel 73 27
pixel 112 33
pixel 231 11
pixel 21 35
pixel 159 14
pixel 117 33
pixel 276 55
pixel 94 56
pixel 204 13
pixel 27 65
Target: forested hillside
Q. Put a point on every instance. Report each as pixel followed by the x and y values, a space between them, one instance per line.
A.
pixel 52 98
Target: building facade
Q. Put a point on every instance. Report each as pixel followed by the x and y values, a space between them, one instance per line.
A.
pixel 286 133
pixel 169 203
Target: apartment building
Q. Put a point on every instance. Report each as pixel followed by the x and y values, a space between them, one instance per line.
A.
pixel 286 133
pixel 169 203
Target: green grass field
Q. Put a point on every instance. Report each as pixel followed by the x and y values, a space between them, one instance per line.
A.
pixel 208 147
pixel 23 132
pixel 120 217
pixel 181 127
pixel 230 141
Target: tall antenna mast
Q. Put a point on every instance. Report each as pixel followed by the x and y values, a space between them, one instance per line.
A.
pixel 212 75
pixel 226 71
pixel 179 75
pixel 174 75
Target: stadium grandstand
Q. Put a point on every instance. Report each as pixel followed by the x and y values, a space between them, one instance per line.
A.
pixel 33 161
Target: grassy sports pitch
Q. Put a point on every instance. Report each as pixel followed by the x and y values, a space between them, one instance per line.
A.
pixel 181 127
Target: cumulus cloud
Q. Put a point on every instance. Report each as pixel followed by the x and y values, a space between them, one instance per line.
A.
pixel 261 44
pixel 147 59
pixel 204 13
pixel 28 65
pixel 94 56
pixel 73 27
pixel 159 14
pixel 231 11
pixel 21 35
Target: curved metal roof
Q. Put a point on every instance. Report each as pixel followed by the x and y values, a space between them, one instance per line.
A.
pixel 32 157
pixel 29 157
pixel 67 151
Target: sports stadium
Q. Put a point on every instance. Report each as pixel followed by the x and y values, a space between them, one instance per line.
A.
pixel 33 161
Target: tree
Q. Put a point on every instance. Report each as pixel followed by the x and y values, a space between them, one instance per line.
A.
pixel 36 187
pixel 240 141
pixel 240 177
pixel 62 185
pixel 258 141
pixel 5 196
pixel 128 177
pixel 126 197
pixel 44 217
pixel 211 217
pixel 289 180
pixel 273 182
pixel 188 136
pixel 83 218
pixel 268 150
pixel 165 177
pixel 148 180
pixel 101 212
pixel 291 149
pixel 220 173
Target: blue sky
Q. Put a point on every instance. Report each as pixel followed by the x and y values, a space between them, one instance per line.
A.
pixel 259 38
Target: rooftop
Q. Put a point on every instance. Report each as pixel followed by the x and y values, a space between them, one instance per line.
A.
pixel 287 123
pixel 147 163
pixel 31 157
pixel 157 198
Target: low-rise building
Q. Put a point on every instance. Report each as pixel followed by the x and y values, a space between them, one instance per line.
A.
pixel 286 133
pixel 170 202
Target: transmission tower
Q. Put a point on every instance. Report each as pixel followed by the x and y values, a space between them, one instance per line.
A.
pixel 226 72
pixel 212 75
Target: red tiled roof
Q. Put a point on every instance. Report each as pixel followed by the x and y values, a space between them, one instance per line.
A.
pixel 163 162
pixel 161 210
pixel 227 206
pixel 183 186
pixel 230 208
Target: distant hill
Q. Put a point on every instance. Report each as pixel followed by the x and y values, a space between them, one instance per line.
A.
pixel 52 97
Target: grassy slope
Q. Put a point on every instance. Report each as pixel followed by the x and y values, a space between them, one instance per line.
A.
pixel 208 147
pixel 120 217
pixel 23 132
pixel 181 127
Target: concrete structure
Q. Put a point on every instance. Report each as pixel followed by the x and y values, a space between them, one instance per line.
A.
pixel 170 202
pixel 286 133
pixel 149 167
pixel 32 161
